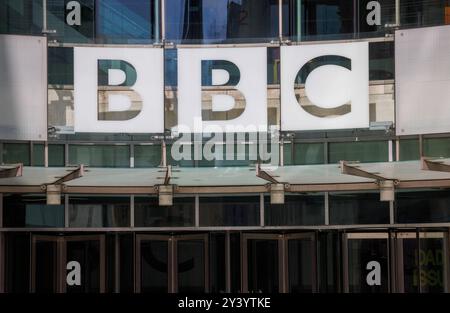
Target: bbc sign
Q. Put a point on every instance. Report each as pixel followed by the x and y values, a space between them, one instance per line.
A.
pixel 335 78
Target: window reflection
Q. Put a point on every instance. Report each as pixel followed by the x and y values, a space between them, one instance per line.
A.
pixel 221 20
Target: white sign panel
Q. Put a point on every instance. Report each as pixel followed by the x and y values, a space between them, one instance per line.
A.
pixel 237 89
pixel 119 90
pixel 422 80
pixel 336 80
pixel 23 87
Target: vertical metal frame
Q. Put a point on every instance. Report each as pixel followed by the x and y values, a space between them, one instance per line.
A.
pixel 2 262
pixel 132 216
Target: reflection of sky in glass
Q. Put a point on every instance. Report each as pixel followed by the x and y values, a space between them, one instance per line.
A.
pixel 120 18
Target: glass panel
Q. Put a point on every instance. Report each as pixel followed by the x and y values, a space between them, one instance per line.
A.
pixel 154 266
pixel 287 154
pixel 216 21
pixel 148 213
pixel 429 275
pixel 409 263
pixel 364 208
pixel 55 155
pixel 362 151
pixel 301 265
pixel 431 260
pixel 309 153
pixel 235 262
pixel 31 211
pixel 329 261
pixel 436 147
pixel 127 268
pixel 46 267
pixel 368 25
pixel 127 21
pixel 318 19
pixel 409 149
pixel 422 207
pixel 63 19
pixel 360 253
pixel 16 153
pixel 87 253
pixel 229 211
pixel 296 210
pixel 100 155
pixel 217 276
pixel 417 13
pixel 99 211
pixel 21 17
pixel 147 155
pixel 262 258
pixel 60 66
pixel 17 262
pixel 191 266
pixel 381 60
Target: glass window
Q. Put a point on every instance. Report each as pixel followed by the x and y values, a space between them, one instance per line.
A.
pixel 381 60
pixel 409 149
pixel 65 24
pixel 296 210
pixel 100 155
pixel 229 211
pixel 287 154
pixel 368 25
pixel 148 213
pixel 21 17
pixel 362 208
pixel 60 66
pixel 55 155
pixel 17 262
pixel 85 211
pixel 436 147
pixel 16 153
pixel 147 155
pixel 416 13
pixel 127 21
pixel 422 207
pixel 308 153
pixel 318 19
pixel 363 151
pixel 31 211
pixel 215 21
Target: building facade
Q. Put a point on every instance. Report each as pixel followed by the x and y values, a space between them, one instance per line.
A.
pixel 294 208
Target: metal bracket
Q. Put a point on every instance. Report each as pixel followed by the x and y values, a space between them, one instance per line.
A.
pixel 15 171
pixel 264 175
pixel 434 165
pixel 73 174
pixel 355 170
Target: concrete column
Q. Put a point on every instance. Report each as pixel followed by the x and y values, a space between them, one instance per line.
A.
pixel 54 194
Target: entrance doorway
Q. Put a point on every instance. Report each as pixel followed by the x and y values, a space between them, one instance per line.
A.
pixel 69 264
pixel 279 263
pixel 167 263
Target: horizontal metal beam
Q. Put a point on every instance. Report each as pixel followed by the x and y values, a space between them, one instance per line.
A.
pixel 434 165
pixel 354 227
pixel 15 171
